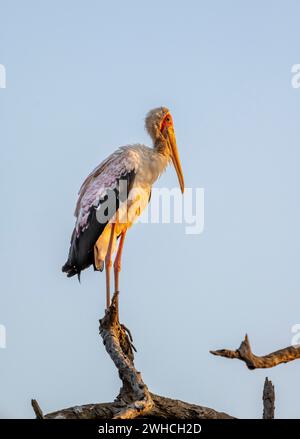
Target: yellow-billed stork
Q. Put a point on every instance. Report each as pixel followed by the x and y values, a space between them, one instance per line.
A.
pixel 107 207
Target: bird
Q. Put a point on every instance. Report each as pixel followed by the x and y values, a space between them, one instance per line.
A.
pixel 113 196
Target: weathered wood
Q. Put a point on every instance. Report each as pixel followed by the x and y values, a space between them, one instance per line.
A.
pixel 37 409
pixel 244 353
pixel 268 400
pixel 163 408
pixel 134 399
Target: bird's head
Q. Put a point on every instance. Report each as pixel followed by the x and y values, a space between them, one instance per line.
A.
pixel 160 126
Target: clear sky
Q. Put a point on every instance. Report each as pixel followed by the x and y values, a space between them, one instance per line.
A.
pixel 80 77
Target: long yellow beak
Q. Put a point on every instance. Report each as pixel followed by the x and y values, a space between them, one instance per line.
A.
pixel 175 156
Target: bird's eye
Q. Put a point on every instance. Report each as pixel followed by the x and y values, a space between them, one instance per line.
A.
pixel 167 121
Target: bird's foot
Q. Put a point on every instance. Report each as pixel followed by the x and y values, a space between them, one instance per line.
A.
pixel 111 322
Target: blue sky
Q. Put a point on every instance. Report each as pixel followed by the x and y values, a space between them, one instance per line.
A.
pixel 80 78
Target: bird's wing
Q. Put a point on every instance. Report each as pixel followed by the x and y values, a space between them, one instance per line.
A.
pixel 104 178
pixel 92 204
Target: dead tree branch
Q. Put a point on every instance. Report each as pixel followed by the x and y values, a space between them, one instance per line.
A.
pixel 37 409
pixel 244 353
pixel 268 400
pixel 163 408
pixel 134 399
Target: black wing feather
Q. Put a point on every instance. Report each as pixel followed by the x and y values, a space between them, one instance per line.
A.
pixel 81 253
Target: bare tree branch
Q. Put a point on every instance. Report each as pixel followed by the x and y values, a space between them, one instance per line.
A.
pixel 163 408
pixel 134 398
pixel 244 353
pixel 37 409
pixel 268 400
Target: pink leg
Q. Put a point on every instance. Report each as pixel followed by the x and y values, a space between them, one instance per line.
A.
pixel 108 258
pixel 117 266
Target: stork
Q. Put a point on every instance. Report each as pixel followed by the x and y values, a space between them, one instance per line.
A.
pixel 107 207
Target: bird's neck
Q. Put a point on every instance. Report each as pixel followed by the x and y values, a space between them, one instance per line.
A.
pixel 161 147
pixel 160 157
